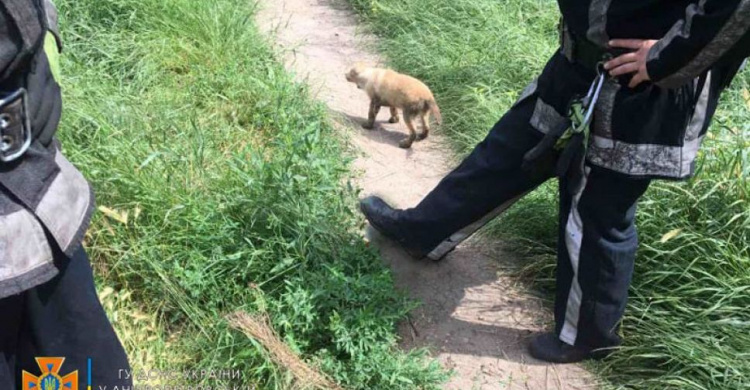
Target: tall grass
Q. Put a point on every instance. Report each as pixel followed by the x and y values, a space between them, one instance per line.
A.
pixel 687 325
pixel 225 189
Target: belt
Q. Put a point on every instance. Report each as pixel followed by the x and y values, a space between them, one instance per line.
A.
pixel 15 127
pixel 583 51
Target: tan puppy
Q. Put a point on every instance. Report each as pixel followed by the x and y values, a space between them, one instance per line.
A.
pixel 387 88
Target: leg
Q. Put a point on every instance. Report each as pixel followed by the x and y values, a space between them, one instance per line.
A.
pixel 12 311
pixel 65 318
pixel 596 253
pixel 409 120
pixel 374 110
pixel 394 115
pixel 485 184
pixel 425 117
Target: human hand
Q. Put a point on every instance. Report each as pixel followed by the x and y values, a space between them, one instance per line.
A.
pixel 633 62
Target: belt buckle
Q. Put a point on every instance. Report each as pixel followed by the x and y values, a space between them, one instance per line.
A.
pixel 11 145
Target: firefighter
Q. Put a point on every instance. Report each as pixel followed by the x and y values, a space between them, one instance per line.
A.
pixel 48 303
pixel 626 100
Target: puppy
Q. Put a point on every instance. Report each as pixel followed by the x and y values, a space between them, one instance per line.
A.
pixel 387 88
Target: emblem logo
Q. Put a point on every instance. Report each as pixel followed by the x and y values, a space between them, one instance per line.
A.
pixel 50 379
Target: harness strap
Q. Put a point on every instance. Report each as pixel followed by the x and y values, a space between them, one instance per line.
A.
pixel 24 84
pixel 29 21
pixel 584 52
pixel 567 143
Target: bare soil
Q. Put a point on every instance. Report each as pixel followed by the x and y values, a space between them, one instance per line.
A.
pixel 474 318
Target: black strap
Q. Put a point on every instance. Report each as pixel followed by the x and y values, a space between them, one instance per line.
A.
pixel 29 21
pixel 584 52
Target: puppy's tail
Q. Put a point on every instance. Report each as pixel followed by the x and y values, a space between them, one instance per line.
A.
pixel 435 111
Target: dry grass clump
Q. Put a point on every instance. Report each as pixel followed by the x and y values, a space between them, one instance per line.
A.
pixel 259 328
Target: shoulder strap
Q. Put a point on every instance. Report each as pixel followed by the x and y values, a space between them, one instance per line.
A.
pixel 52 24
pixel 29 20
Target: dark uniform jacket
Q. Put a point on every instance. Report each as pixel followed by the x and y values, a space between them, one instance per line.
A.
pixel 656 129
pixel 44 200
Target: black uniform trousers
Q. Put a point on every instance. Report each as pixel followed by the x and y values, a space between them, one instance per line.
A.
pixel 597 237
pixel 61 318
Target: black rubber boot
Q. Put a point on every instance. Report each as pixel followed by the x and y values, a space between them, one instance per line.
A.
pixel 385 219
pixel 549 348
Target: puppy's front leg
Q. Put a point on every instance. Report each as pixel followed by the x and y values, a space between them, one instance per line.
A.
pixel 374 110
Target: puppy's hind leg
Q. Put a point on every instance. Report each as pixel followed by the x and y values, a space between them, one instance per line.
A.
pixel 409 119
pixel 374 110
pixel 425 117
pixel 394 115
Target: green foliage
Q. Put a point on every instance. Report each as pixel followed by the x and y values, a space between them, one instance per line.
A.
pixel 227 191
pixel 688 322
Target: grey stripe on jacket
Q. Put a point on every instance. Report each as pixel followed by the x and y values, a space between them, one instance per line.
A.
pixel 64 211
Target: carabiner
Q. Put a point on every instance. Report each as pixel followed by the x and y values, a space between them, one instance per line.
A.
pixel 592 97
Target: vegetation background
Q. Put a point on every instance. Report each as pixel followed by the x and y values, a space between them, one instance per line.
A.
pixel 221 187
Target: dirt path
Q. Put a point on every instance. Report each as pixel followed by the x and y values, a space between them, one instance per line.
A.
pixel 473 318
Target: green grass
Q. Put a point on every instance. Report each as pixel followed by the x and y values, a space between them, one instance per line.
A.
pixel 687 325
pixel 228 192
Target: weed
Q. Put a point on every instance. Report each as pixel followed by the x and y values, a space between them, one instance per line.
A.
pixel 224 189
